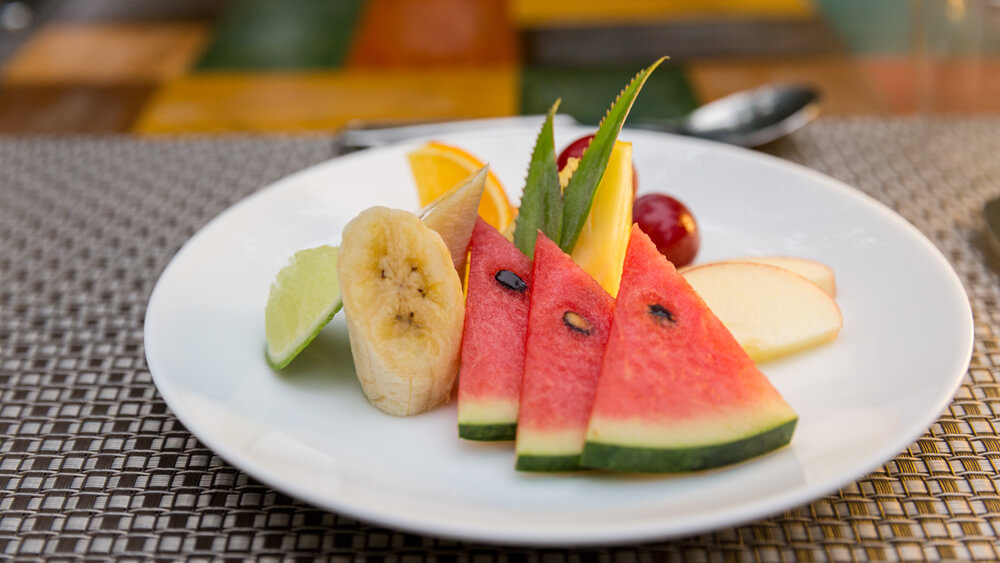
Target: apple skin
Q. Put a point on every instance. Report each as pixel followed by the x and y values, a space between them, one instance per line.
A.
pixel 575 150
pixel 670 225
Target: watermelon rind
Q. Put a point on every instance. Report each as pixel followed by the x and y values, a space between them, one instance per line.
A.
pixel 488 432
pixel 549 450
pixel 550 463
pixel 636 459
pixel 487 420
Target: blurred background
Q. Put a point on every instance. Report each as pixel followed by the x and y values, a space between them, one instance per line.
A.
pixel 215 66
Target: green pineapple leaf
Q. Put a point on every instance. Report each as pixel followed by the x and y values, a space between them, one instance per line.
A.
pixel 579 195
pixel 541 202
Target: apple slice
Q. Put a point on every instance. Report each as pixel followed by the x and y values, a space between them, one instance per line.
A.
pixel 453 215
pixel 770 311
pixel 816 272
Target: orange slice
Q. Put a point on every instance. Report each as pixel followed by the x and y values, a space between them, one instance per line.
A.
pixel 438 167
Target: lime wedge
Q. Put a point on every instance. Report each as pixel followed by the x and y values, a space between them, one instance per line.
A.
pixel 304 298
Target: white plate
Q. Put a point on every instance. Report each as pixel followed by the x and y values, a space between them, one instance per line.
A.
pixel 309 432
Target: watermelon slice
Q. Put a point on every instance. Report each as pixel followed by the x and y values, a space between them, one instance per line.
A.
pixel 677 392
pixel 568 326
pixel 496 316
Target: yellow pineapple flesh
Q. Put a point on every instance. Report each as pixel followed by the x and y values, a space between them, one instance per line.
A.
pixel 600 249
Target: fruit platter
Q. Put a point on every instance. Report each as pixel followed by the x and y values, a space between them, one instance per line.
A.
pixel 510 388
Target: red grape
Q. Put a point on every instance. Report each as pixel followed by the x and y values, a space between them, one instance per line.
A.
pixel 575 150
pixel 670 225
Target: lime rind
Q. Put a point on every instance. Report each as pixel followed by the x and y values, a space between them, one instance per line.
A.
pixel 304 298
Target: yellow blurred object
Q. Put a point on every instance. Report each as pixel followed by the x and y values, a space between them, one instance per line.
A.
pixel 569 13
pixel 326 100
pixel 438 167
pixel 600 250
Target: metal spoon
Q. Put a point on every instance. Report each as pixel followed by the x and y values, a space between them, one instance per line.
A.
pixel 749 118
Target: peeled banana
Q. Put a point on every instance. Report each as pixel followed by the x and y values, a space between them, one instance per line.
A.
pixel 404 309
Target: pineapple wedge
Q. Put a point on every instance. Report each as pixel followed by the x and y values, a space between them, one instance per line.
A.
pixel 600 250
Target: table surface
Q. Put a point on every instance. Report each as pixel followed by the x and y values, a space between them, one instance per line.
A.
pixel 93 464
pixel 215 66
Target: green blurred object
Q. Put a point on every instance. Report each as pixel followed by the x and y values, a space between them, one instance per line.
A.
pixel 291 34
pixel 880 27
pixel 898 27
pixel 588 92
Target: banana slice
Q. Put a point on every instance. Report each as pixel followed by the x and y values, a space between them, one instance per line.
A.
pixel 404 309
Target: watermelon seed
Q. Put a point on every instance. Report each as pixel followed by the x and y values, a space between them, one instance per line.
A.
pixel 660 313
pixel 576 323
pixel 510 280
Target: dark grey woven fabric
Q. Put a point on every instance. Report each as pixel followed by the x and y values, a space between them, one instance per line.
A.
pixel 93 465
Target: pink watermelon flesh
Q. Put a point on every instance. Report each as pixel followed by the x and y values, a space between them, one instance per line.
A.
pixel 496 316
pixel 677 392
pixel 568 326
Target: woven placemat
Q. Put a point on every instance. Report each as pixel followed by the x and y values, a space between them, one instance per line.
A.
pixel 93 465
